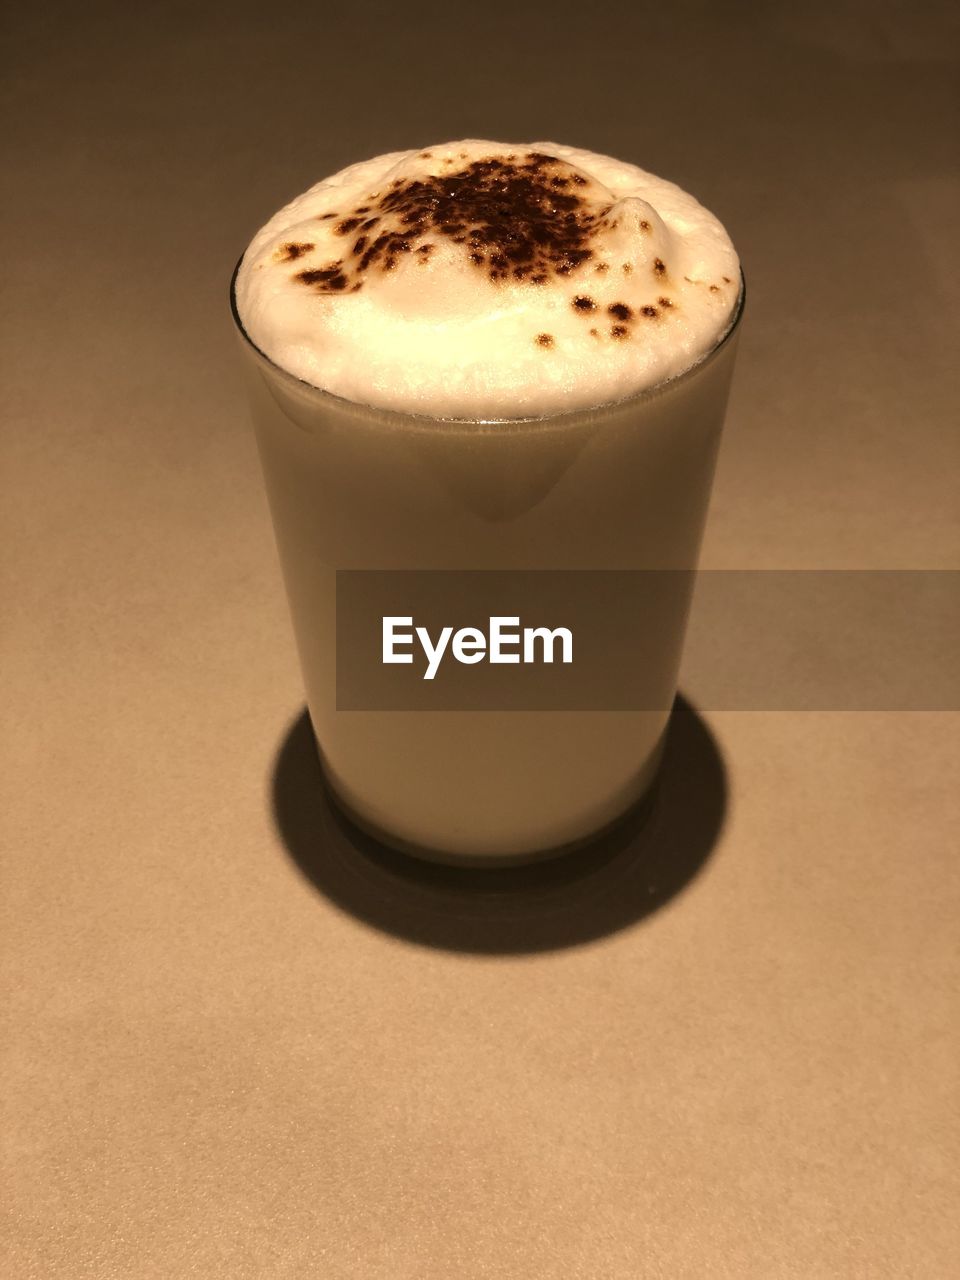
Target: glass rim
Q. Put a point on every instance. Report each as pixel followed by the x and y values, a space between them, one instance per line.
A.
pixel 427 419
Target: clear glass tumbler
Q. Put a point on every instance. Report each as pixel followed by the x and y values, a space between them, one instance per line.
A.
pixel 622 486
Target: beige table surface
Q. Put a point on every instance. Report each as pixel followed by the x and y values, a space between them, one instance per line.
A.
pixel 216 1065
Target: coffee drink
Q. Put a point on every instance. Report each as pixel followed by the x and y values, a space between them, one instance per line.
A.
pixel 481 356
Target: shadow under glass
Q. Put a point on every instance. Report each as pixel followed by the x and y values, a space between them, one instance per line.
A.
pixel 607 885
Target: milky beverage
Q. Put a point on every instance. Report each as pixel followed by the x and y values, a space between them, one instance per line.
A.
pixel 486 356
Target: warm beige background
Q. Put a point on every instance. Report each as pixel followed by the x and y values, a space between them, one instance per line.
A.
pixel 209 1070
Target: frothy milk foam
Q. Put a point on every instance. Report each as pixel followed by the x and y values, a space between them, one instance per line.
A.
pixel 483 279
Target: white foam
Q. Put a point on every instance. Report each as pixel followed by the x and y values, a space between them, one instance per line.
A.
pixel 435 334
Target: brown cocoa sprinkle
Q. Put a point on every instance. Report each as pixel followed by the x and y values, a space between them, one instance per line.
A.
pixel 726 279
pixel 652 312
pixel 665 302
pixel 544 339
pixel 290 252
pixel 620 311
pixel 714 288
pixel 328 279
pixel 322 217
pixel 644 225
pixel 582 303
pixel 659 267
pixel 601 268
pixel 519 217
pixel 619 331
pixel 425 250
pixel 573 259
pixel 315 275
pixel 594 334
pixel 627 268
pixel 426 155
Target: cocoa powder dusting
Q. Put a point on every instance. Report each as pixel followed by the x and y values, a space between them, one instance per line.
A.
pixel 291 251
pixel 519 217
pixel 330 279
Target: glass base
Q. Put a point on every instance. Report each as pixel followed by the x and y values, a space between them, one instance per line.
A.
pixel 637 813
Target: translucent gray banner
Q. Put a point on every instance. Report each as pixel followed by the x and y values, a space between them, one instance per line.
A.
pixel 611 640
